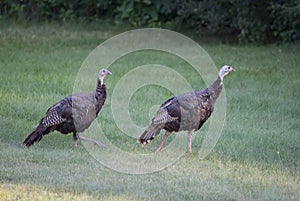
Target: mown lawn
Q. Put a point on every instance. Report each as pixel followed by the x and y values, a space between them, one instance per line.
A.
pixel 256 158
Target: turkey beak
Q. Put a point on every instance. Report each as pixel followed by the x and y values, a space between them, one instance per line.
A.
pixel 233 69
pixel 108 72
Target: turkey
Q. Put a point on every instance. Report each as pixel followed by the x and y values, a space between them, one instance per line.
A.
pixel 72 114
pixel 188 111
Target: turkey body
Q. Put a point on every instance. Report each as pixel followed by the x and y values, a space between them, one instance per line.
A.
pixel 189 111
pixel 186 112
pixel 72 114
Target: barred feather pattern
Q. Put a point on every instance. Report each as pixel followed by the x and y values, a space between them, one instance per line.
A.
pixel 162 117
pixel 52 119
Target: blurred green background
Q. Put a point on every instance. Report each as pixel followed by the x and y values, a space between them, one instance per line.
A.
pixel 243 21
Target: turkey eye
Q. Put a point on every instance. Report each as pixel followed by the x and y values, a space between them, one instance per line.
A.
pixel 228 68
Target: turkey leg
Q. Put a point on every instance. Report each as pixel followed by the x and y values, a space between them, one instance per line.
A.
pixel 86 139
pixel 75 139
pixel 190 136
pixel 163 140
pixel 91 140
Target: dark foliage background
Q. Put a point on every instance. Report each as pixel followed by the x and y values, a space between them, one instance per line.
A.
pixel 248 21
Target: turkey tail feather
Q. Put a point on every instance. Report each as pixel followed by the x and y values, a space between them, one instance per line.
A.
pixel 149 134
pixel 35 136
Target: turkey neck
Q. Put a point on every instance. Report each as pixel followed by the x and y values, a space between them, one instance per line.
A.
pixel 100 96
pixel 215 89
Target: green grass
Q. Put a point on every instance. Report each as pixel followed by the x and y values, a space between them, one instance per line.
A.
pixel 256 158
